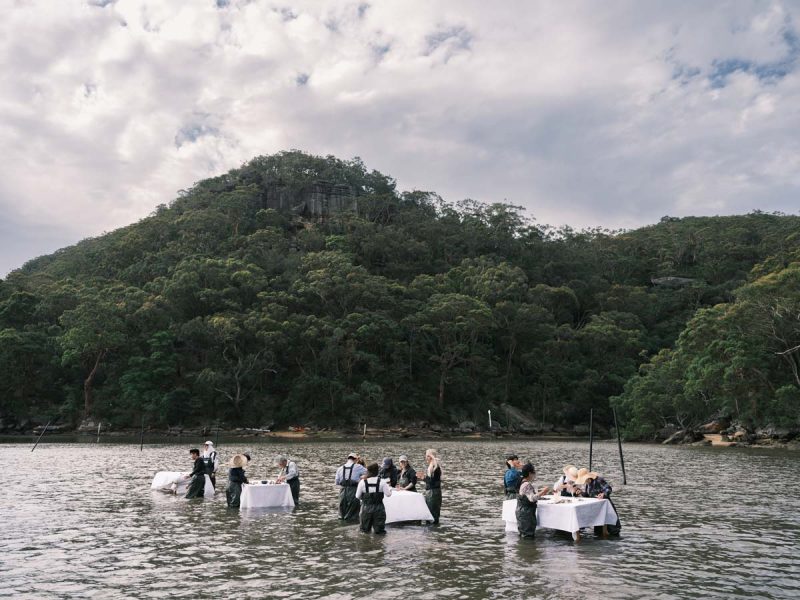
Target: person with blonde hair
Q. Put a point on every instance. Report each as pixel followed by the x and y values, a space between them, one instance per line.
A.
pixel 433 484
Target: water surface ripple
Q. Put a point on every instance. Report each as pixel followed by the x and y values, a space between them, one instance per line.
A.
pixel 79 520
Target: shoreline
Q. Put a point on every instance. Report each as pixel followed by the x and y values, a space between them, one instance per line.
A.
pixel 196 436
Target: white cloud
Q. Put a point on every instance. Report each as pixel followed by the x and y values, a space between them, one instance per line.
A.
pixel 609 116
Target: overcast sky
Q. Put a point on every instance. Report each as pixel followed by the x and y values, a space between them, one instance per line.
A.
pixel 586 113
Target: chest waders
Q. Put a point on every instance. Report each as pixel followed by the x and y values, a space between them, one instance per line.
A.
pixel 433 497
pixel 373 514
pixel 348 503
pixel 526 516
pixel 405 479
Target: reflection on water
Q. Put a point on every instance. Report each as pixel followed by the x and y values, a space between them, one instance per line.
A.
pixel 80 520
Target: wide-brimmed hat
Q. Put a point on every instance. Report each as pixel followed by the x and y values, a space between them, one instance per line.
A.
pixel 239 460
pixel 352 455
pixel 584 477
pixel 209 443
pixel 403 458
pixel 571 471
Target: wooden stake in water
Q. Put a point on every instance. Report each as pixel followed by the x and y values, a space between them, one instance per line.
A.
pixel 41 435
pixel 591 435
pixel 98 433
pixel 141 437
pixel 619 443
pixel 490 419
pixel 364 436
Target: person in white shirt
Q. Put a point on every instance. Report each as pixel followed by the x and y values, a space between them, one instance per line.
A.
pixel 289 474
pixel 347 478
pixel 211 461
pixel 371 491
pixel 565 485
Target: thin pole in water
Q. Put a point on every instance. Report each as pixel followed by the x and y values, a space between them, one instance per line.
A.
pixel 41 434
pixel 364 436
pixel 490 420
pixel 591 435
pixel 619 443
pixel 98 433
pixel 216 437
pixel 141 438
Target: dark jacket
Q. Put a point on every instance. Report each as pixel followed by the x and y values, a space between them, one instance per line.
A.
pixel 391 473
pixel 433 482
pixel 236 475
pixel 199 467
pixel 409 476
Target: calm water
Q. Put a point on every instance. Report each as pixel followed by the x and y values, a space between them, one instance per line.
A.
pixel 79 520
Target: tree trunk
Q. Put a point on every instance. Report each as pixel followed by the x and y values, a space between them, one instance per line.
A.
pixel 511 348
pixel 441 387
pixel 87 385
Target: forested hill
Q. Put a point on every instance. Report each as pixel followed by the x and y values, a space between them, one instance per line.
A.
pixel 308 290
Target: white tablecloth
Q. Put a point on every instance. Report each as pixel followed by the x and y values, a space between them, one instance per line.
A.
pixel 258 495
pixel 406 506
pixel 581 512
pixel 177 483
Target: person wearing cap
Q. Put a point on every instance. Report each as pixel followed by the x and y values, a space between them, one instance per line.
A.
pixel 198 484
pixel 211 460
pixel 565 485
pixel 347 478
pixel 371 491
pixel 512 478
pixel 527 499
pixel 388 471
pixel 289 474
pixel 407 477
pixel 236 478
pixel 593 486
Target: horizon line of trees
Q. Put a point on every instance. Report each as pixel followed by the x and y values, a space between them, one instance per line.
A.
pixel 410 309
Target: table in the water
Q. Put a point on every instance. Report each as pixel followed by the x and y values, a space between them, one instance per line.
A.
pixel 80 520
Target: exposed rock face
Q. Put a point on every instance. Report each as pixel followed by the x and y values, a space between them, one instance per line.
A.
pixel 318 199
pixel 684 436
pixel 716 426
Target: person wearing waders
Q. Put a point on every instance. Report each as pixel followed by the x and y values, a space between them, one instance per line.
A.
pixel 289 474
pixel 512 478
pixel 527 500
pixel 371 492
pixel 594 486
pixel 433 485
pixel 347 478
pixel 198 485
pixel 211 459
pixel 407 478
pixel 236 477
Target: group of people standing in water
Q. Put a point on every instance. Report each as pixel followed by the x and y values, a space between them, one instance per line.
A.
pixel 580 483
pixel 361 487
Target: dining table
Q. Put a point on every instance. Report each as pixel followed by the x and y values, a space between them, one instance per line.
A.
pixel 565 514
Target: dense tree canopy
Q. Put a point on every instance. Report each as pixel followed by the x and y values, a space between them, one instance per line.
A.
pixel 221 309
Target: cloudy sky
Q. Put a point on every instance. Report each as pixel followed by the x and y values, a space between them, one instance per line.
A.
pixel 586 113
